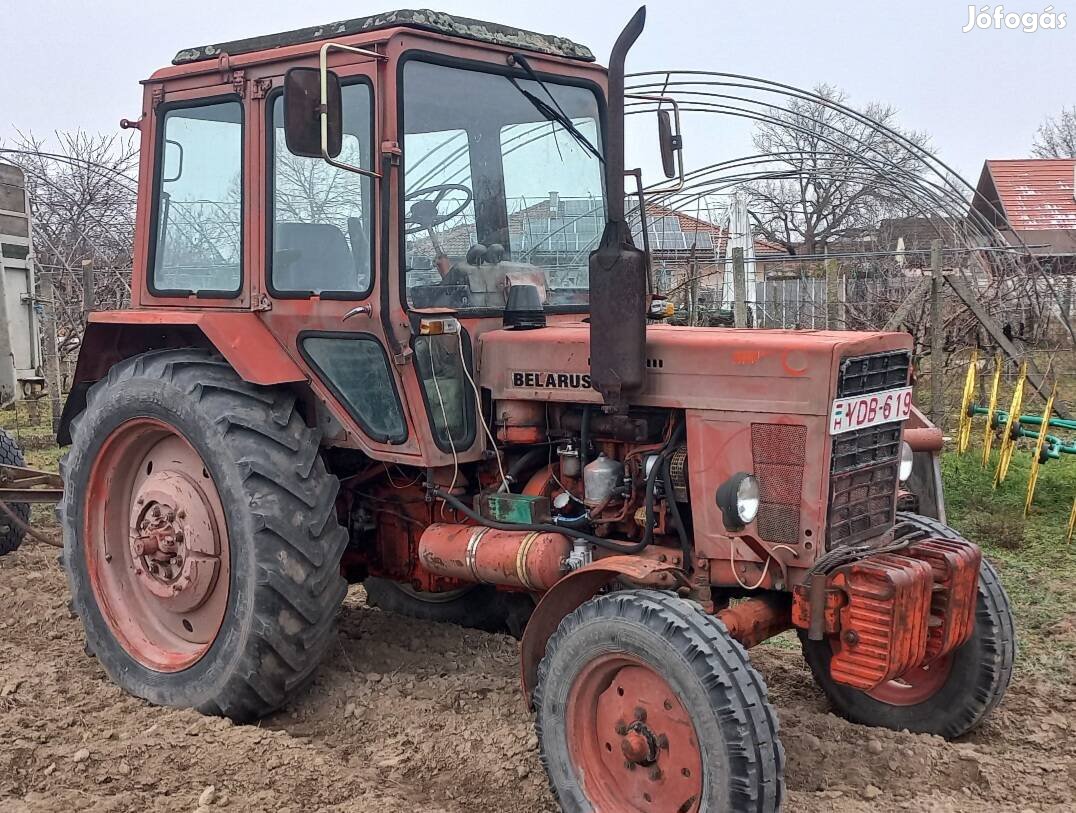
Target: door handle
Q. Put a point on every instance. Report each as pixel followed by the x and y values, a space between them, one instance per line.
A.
pixel 367 310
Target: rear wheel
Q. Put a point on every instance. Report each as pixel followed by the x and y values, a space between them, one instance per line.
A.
pixel 11 534
pixel 476 606
pixel 645 703
pixel 950 696
pixel 200 535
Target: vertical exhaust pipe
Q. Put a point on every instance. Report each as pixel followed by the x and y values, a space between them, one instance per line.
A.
pixel 618 289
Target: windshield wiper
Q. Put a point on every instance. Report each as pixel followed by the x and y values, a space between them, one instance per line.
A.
pixel 554 113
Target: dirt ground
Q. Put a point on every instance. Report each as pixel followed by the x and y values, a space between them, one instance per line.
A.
pixel 413 717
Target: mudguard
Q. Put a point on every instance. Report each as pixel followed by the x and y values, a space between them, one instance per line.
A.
pixel 576 588
pixel 239 336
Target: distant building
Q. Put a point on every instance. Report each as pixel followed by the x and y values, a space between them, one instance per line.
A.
pixel 1032 202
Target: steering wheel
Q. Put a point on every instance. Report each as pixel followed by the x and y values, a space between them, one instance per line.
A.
pixel 423 214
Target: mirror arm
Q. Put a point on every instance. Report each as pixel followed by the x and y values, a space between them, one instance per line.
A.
pixel 679 152
pixel 324 67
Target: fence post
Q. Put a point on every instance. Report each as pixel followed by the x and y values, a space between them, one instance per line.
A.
pixel 937 391
pixel 52 357
pixel 739 289
pixel 834 303
pixel 87 289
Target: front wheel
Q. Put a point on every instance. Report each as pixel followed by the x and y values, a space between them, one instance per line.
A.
pixel 201 542
pixel 950 696
pixel 645 703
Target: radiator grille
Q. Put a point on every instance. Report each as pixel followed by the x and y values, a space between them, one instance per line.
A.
pixel 864 463
pixel 880 371
pixel 865 447
pixel 779 452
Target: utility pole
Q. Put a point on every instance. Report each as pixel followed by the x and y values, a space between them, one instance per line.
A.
pixel 937 392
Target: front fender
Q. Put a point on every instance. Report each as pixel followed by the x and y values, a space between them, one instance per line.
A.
pixel 576 588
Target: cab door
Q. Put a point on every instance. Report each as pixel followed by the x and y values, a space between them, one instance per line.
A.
pixel 320 267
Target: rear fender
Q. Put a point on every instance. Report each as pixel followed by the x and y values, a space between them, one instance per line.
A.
pixel 111 336
pixel 576 588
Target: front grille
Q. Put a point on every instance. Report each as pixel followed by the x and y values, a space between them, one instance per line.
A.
pixel 882 371
pixel 864 463
pixel 865 447
pixel 779 452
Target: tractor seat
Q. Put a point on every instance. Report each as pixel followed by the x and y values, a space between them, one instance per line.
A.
pixel 312 257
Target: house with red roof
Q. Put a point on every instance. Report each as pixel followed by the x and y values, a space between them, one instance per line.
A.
pixel 1032 201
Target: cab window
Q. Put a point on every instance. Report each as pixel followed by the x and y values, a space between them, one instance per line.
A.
pixel 496 194
pixel 322 215
pixel 198 236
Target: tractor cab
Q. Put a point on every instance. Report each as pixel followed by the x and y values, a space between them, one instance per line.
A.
pixel 329 198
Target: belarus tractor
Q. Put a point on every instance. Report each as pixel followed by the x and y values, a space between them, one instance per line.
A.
pixel 367 343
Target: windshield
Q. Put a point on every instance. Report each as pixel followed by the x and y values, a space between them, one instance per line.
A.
pixel 495 194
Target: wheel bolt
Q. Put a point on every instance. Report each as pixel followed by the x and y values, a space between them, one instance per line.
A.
pixel 640 714
pixel 663 742
pixel 655 773
pixel 629 764
pixel 621 729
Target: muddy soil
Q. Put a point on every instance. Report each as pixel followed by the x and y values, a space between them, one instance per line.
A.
pixel 412 717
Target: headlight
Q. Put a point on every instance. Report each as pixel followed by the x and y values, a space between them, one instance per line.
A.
pixel 738 499
pixel 907 458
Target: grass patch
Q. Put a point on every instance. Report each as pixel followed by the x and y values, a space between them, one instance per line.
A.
pixel 1037 565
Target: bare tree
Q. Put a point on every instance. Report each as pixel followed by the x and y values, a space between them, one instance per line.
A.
pixel 832 175
pixel 1056 137
pixel 82 196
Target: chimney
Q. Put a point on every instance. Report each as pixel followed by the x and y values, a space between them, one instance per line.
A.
pixel 554 204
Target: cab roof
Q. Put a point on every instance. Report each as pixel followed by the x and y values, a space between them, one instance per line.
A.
pixel 422 19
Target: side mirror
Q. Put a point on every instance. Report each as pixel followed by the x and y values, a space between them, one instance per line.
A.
pixel 312 130
pixel 669 142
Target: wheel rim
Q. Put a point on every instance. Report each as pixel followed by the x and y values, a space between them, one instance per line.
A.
pixel 916 685
pixel 631 739
pixel 156 545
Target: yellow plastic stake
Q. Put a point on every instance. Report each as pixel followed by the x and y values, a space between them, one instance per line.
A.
pixel 1033 478
pixel 1008 439
pixel 1072 520
pixel 992 408
pixel 964 433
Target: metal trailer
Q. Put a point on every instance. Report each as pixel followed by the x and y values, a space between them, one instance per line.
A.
pixel 21 368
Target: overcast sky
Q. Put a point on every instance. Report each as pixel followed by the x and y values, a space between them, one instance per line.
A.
pixel 982 94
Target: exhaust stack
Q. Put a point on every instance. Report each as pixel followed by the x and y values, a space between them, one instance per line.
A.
pixel 618 287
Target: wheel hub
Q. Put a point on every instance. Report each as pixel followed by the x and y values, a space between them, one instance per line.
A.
pixel 632 739
pixel 174 546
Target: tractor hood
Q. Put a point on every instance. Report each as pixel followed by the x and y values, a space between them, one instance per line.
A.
pixel 775 371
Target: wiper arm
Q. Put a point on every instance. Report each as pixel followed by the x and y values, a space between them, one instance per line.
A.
pixel 554 113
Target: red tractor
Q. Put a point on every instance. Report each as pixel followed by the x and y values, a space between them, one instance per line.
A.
pixel 367 343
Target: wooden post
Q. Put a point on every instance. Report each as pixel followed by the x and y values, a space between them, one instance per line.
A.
pixel 52 357
pixel 937 382
pixel 739 289
pixel 87 289
pixel 834 304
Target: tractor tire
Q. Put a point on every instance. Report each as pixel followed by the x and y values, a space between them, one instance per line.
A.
pixel 645 702
pixel 478 607
pixel 201 542
pixel 949 698
pixel 11 535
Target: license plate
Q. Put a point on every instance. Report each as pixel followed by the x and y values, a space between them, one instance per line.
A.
pixel 861 411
